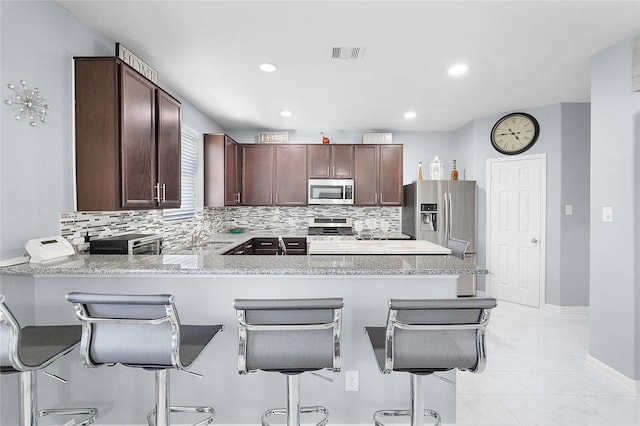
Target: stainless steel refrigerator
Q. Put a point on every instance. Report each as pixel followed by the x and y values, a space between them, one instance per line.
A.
pixel 437 210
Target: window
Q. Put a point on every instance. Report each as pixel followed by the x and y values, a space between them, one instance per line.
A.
pixel 189 159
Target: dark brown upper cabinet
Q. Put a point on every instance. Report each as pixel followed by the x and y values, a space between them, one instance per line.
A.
pixel 378 175
pixel 222 170
pixel 274 175
pixel 169 151
pixel 291 175
pixel 330 161
pixel 257 174
pixel 233 172
pixel 127 139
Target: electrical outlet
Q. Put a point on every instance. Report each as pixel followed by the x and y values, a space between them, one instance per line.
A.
pixel 352 381
pixel 607 214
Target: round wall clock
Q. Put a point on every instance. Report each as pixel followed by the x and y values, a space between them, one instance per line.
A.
pixel 515 133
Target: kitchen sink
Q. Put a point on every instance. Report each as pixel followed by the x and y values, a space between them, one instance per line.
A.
pixel 213 245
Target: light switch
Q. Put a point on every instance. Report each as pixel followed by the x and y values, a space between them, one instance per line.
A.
pixel 568 210
pixel 607 214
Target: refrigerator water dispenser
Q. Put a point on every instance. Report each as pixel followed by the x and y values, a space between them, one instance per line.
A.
pixel 429 217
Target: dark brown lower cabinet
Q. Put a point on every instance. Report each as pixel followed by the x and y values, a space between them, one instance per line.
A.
pixel 267 246
pixel 270 246
pixel 295 246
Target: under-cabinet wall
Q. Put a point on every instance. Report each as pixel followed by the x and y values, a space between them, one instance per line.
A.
pixel 266 219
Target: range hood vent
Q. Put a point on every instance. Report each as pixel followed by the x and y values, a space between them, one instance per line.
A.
pixel 347 52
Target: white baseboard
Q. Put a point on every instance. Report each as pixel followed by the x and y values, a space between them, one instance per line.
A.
pixel 613 374
pixel 566 309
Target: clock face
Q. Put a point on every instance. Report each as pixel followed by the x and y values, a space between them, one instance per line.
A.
pixel 515 133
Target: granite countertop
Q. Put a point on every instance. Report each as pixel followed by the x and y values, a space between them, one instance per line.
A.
pixel 209 260
pixel 376 247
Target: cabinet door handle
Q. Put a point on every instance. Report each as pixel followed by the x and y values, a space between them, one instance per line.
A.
pixel 238 198
pixel 161 192
pixel 157 187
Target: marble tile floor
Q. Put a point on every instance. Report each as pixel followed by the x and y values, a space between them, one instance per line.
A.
pixel 537 375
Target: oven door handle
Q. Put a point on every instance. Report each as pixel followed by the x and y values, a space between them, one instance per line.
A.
pixel 144 240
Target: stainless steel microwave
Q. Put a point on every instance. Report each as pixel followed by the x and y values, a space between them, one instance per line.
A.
pixel 330 191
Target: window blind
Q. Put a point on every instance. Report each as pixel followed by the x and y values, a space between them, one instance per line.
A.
pixel 189 163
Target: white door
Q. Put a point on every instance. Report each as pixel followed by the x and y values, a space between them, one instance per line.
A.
pixel 515 228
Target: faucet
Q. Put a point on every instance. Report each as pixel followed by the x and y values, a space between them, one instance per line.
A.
pixel 283 246
pixel 196 237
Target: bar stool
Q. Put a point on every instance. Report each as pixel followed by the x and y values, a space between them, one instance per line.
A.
pixel 458 247
pixel 142 331
pixel 426 336
pixel 290 336
pixel 27 350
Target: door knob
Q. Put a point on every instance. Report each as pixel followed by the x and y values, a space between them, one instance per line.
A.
pixel 533 240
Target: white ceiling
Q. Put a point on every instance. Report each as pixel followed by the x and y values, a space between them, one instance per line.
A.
pixel 520 55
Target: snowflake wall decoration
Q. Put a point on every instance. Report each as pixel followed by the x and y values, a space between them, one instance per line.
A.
pixel 29 103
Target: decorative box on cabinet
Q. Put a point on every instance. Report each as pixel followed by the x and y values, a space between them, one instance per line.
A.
pixel 127 133
pixel 378 175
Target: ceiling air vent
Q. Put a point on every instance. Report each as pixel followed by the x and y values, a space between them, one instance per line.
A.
pixel 347 52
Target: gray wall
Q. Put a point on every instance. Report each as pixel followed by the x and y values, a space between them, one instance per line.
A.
pixel 36 177
pixel 418 146
pixel 614 337
pixel 564 138
pixel 574 236
pixel 36 164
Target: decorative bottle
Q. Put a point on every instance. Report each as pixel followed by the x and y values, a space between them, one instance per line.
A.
pixel 435 171
pixel 420 170
pixel 454 171
pixel 325 139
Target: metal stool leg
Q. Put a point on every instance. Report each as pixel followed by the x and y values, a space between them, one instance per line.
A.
pixel 160 415
pixel 293 410
pixel 29 415
pixel 417 411
pixel 28 393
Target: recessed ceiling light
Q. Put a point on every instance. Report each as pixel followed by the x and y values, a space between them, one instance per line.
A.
pixel 410 114
pixel 286 113
pixel 268 67
pixel 458 69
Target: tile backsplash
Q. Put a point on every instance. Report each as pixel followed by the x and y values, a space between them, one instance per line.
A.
pixel 285 220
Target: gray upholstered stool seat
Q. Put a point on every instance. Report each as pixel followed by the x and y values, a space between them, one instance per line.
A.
pixel 142 331
pixel 25 351
pixel 290 336
pixel 423 337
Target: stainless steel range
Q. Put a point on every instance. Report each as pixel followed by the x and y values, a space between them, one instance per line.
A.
pixel 330 228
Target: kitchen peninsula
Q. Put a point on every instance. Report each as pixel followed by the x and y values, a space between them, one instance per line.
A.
pixel 205 284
